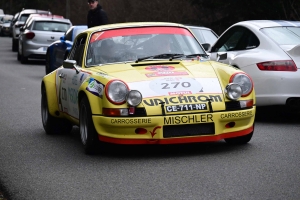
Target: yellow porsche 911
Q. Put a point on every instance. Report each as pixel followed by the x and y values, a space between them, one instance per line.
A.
pixel 146 83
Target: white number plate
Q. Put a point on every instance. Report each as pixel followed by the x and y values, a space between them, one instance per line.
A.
pixel 186 107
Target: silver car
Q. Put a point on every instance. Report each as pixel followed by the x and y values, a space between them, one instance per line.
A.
pixel 5 25
pixel 204 35
pixel 38 33
pixel 18 22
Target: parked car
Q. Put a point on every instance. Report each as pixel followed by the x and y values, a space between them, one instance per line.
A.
pixel 38 33
pixel 5 25
pixel 58 50
pixel 268 50
pixel 19 21
pixel 13 21
pixel 206 36
pixel 146 83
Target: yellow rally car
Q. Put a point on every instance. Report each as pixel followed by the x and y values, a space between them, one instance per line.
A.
pixel 146 83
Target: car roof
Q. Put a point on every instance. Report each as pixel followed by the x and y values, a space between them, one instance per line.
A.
pixel 195 26
pixel 132 24
pixel 268 23
pixel 46 15
pixel 51 19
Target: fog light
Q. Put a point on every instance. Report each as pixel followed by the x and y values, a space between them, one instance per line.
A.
pixel 230 125
pixel 233 91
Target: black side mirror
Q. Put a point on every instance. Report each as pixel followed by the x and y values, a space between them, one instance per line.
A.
pixel 206 46
pixel 221 56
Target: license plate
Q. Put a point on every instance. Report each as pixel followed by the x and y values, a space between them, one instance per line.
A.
pixel 186 107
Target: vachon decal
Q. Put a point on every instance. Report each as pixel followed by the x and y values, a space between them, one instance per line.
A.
pixel 183 99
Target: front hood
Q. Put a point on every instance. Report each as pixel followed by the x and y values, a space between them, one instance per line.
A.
pixel 188 83
pixel 294 52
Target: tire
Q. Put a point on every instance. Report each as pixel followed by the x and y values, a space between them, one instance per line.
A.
pixel 19 56
pixel 88 133
pixel 239 140
pixel 52 125
pixel 14 45
pixel 23 59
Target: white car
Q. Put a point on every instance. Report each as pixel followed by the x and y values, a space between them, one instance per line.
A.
pixel 206 36
pixel 269 51
pixel 38 33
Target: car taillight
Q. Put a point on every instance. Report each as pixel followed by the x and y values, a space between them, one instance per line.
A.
pixel 30 35
pixel 278 65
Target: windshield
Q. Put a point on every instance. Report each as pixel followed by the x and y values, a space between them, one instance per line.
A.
pixel 130 44
pixel 283 35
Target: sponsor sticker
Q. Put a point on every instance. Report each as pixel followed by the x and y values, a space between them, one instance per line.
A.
pixel 95 87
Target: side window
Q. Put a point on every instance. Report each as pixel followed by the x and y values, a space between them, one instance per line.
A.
pixel 78 50
pixel 237 38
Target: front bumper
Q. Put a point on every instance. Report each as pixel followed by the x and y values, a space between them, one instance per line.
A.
pixel 175 129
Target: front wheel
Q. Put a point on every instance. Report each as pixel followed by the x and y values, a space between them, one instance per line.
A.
pixel 53 125
pixel 88 133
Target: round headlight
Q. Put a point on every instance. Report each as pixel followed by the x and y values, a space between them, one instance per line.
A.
pixel 134 98
pixel 233 91
pixel 244 81
pixel 116 91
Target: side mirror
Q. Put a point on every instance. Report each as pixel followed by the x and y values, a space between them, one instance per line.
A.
pixel 21 28
pixel 62 38
pixel 70 64
pixel 221 56
pixel 206 46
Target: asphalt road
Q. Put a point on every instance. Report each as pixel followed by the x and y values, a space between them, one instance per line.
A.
pixel 34 165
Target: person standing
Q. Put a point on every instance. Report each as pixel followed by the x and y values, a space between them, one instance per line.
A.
pixel 96 15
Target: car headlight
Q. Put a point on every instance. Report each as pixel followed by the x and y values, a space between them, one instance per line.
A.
pixel 244 81
pixel 116 91
pixel 233 91
pixel 134 98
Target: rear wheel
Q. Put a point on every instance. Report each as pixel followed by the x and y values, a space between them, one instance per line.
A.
pixel 88 133
pixel 239 140
pixel 23 58
pixel 52 125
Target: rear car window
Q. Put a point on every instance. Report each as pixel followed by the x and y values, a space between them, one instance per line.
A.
pixel 283 35
pixel 51 26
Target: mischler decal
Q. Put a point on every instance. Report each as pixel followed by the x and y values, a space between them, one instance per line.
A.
pixel 183 99
pixel 188 119
pixel 236 115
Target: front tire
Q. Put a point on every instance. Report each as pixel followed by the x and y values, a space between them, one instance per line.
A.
pixel 88 133
pixel 52 125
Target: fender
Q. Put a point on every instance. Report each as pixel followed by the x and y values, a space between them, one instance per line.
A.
pixel 49 83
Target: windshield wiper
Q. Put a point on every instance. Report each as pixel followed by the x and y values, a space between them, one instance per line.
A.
pixel 170 56
pixel 196 54
pixel 57 31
